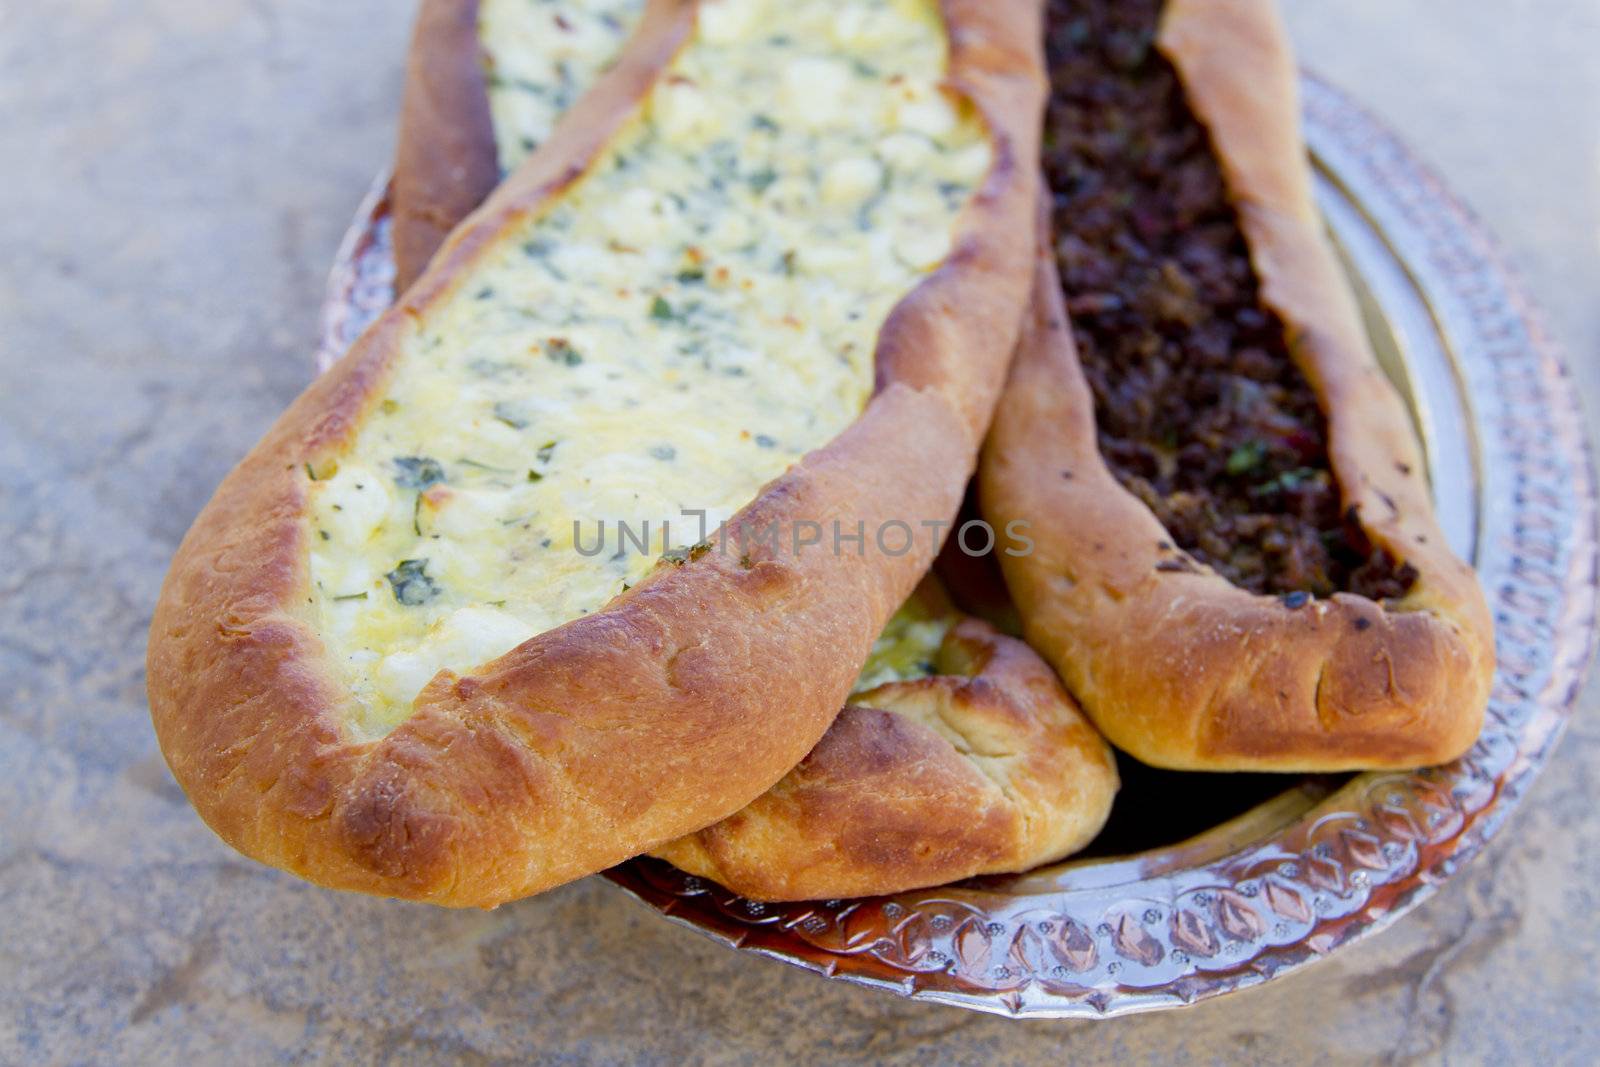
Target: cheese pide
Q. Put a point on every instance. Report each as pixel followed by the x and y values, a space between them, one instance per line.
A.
pixel 958 754
pixel 686 321
pixel 765 269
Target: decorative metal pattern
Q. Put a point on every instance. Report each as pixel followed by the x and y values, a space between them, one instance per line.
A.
pixel 1315 869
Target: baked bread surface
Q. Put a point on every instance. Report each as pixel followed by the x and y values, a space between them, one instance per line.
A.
pixel 1176 665
pixel 661 710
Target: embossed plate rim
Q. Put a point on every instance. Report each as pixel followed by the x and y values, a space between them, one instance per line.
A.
pixel 1131 941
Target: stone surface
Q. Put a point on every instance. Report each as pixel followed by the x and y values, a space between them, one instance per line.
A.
pixel 178 173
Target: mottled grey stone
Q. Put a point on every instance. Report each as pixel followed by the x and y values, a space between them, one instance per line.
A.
pixel 177 175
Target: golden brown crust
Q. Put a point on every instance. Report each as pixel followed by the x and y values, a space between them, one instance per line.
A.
pixel 445 163
pixel 1174 664
pixel 986 768
pixel 679 702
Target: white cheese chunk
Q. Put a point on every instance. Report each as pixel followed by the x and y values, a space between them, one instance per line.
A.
pixel 465 638
pixel 851 180
pixel 353 504
pixel 816 90
pixel 684 114
pixel 923 109
pixel 726 22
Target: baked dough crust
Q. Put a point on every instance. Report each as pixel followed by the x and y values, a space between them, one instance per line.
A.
pixel 1176 665
pixel 445 162
pixel 679 702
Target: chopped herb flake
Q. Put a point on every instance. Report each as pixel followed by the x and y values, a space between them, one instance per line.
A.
pixel 411 583
pixel 490 368
pixel 508 413
pixel 666 453
pixel 560 350
pixel 465 462
pixel 1288 481
pixel 417 472
pixel 660 310
pixel 540 250
pixel 1246 458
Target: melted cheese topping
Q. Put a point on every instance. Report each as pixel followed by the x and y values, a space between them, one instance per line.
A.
pixel 692 317
pixel 542 55
pixel 908 648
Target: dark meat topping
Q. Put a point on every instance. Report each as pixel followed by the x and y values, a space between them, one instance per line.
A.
pixel 1202 413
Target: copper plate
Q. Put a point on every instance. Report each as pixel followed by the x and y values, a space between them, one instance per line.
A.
pixel 1324 861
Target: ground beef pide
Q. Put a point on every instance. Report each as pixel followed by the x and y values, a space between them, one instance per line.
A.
pixel 1201 412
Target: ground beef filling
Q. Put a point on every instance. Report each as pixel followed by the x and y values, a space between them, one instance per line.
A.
pixel 1201 412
